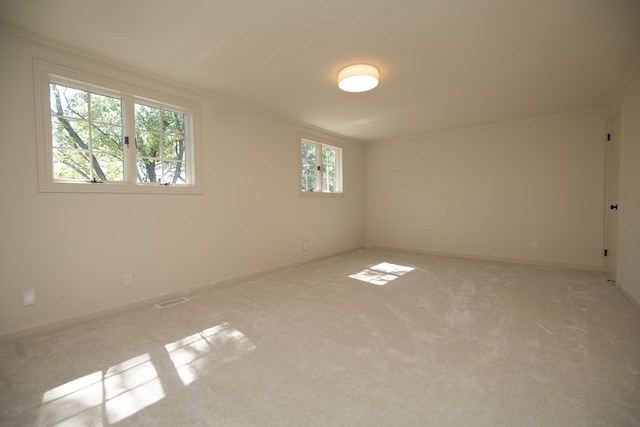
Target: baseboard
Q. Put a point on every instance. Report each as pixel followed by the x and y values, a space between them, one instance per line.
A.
pixel 58 324
pixel 47 327
pixel 235 279
pixel 525 261
pixel 70 321
pixel 627 295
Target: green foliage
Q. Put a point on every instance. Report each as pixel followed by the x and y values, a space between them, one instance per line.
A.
pixel 86 135
pixel 310 173
pixel 309 167
pixel 160 145
pixel 329 169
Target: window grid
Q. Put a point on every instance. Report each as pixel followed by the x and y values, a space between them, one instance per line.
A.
pixel 94 140
pixel 160 147
pixel 84 147
pixel 321 167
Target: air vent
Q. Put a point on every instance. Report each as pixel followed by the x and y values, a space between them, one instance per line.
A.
pixel 171 302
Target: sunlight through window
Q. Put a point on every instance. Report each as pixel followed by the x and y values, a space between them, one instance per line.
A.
pixel 114 394
pixel 78 401
pixel 131 386
pixel 382 273
pixel 196 354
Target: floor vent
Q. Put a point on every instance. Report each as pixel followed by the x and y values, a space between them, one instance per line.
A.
pixel 171 302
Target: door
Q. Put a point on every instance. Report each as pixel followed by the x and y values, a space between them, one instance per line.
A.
pixel 613 193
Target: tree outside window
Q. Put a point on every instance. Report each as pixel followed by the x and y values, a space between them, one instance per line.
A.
pixel 321 167
pixel 128 139
pixel 87 135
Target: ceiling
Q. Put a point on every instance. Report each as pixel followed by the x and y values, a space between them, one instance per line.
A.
pixel 444 64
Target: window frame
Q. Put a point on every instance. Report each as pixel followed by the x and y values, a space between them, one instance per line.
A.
pixel 46 73
pixel 320 143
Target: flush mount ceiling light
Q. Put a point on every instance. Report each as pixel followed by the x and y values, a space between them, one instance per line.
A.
pixel 358 78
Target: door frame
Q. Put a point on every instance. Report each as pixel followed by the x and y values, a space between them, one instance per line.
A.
pixel 617 114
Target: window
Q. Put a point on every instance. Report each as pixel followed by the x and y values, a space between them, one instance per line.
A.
pixel 321 167
pixel 101 136
pixel 86 135
pixel 160 145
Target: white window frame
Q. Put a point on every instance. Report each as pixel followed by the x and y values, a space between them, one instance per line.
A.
pixel 46 73
pixel 320 143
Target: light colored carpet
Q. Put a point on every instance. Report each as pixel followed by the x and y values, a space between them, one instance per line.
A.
pixel 410 339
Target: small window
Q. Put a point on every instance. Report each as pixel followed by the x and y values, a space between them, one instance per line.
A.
pixel 93 131
pixel 321 167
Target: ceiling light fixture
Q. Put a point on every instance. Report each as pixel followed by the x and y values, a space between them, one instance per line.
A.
pixel 358 78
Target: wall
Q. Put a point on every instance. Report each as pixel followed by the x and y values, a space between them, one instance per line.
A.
pixel 73 249
pixel 494 191
pixel 628 103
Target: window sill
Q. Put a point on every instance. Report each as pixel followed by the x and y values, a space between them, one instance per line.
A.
pixel 117 188
pixel 319 194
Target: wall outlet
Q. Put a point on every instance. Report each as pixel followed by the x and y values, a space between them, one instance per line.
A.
pixel 127 280
pixel 28 297
pixel 305 246
pixel 535 246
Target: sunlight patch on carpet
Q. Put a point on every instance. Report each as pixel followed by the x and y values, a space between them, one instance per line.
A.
pixel 382 273
pixel 196 354
pixel 113 394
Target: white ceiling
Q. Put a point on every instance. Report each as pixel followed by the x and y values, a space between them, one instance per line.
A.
pixel 444 64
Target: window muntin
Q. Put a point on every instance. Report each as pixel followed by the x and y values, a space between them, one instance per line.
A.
pixel 330 183
pixel 321 167
pixel 160 145
pixel 309 166
pixel 87 134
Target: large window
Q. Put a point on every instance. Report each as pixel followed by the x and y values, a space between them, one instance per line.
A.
pixel 321 167
pixel 99 136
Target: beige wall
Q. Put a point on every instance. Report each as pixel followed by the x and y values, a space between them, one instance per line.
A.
pixel 487 192
pixel 73 249
pixel 629 207
pixel 492 192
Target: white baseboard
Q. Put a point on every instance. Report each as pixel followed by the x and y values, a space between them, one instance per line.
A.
pixel 525 261
pixel 628 296
pixel 57 324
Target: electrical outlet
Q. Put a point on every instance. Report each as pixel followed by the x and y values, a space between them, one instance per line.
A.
pixel 127 280
pixel 305 246
pixel 535 246
pixel 28 297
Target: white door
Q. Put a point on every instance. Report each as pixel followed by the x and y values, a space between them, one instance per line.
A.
pixel 613 193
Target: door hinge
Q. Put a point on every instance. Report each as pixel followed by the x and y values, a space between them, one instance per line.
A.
pixel 608 137
pixel 606 252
